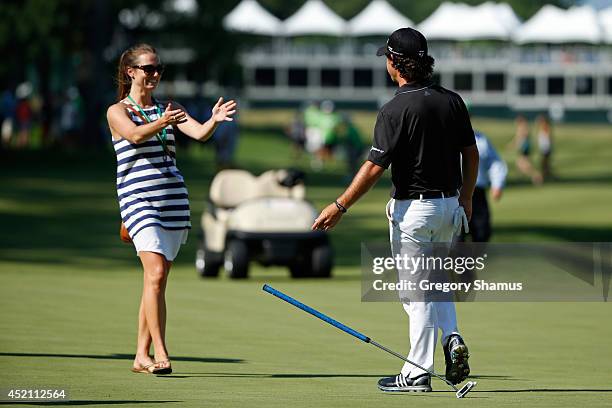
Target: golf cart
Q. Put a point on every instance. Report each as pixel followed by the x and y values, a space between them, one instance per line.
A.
pixel 264 219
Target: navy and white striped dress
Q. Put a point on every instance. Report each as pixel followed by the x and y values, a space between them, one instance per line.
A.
pixel 150 188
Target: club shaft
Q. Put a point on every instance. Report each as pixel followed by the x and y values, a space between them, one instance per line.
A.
pixel 315 313
pixel 346 329
pixel 380 346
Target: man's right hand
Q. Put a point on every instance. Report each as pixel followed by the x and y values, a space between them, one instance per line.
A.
pixel 328 218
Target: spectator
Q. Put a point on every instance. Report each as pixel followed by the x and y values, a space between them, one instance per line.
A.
pixel 8 105
pixel 297 133
pixel 71 117
pixel 349 137
pixel 312 132
pixel 23 114
pixel 545 145
pixel 328 123
pixel 321 139
pixel 522 144
pixel 225 140
pixel 492 171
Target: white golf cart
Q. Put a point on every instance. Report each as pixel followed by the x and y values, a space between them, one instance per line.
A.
pixel 264 219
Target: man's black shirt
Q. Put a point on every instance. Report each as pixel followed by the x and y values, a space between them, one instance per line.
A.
pixel 421 132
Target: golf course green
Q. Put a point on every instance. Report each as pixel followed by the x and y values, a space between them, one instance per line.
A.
pixel 70 292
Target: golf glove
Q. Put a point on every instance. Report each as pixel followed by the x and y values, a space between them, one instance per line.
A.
pixel 460 220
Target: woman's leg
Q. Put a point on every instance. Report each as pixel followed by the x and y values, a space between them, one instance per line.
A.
pixel 162 318
pixel 144 339
pixel 153 300
pixel 524 165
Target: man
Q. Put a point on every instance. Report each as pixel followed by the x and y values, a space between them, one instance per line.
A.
pixel 424 133
pixel 492 171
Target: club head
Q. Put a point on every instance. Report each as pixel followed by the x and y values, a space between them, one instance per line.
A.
pixel 465 389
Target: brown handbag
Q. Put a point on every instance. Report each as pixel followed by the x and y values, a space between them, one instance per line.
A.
pixel 123 234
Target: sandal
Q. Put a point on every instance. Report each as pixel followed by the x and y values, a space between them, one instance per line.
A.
pixel 163 370
pixel 157 371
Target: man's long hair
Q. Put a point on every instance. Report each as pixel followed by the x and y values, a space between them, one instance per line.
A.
pixel 413 69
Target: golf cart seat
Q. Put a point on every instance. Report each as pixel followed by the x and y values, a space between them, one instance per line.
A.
pixel 229 188
pixel 281 183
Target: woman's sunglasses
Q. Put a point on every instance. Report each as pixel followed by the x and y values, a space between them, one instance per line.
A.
pixel 151 69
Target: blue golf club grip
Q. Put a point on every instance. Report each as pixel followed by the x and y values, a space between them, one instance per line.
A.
pixel 315 313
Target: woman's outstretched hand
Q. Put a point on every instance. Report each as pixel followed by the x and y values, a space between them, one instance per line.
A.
pixel 223 111
pixel 173 116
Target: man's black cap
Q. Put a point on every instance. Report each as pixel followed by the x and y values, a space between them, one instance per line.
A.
pixel 405 42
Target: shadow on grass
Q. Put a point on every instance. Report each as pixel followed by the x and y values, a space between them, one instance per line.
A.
pixel 124 357
pixel 306 375
pixel 574 179
pixel 494 377
pixel 264 375
pixel 548 390
pixel 572 233
pixel 85 402
pixel 68 213
pixel 274 278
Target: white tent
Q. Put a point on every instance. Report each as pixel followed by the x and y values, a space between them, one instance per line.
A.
pixel 314 17
pixel 554 25
pixel 504 14
pixel 462 22
pixel 250 17
pixel 378 18
pixel 435 27
pixel 605 19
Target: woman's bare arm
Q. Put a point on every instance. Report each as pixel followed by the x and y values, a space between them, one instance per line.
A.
pixel 202 131
pixel 121 125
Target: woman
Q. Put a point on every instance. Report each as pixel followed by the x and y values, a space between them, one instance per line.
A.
pixel 152 195
pixel 522 143
pixel 545 144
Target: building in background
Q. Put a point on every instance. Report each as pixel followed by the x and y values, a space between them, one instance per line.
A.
pixel 559 61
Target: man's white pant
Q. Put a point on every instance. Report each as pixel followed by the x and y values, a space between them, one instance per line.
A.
pixel 423 221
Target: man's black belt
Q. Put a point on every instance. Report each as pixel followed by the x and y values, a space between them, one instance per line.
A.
pixel 428 195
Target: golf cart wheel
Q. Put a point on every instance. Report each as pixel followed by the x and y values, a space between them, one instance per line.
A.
pixel 322 261
pixel 317 263
pixel 299 270
pixel 237 260
pixel 207 263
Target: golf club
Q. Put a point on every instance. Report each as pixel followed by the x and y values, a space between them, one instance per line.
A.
pixel 459 392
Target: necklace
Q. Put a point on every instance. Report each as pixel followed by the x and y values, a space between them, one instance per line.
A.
pixel 162 137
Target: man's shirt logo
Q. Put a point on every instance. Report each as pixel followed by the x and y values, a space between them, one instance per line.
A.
pixel 377 149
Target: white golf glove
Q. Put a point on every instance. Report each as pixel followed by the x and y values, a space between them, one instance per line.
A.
pixel 460 220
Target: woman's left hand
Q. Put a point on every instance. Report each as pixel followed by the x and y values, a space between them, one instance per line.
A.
pixel 223 111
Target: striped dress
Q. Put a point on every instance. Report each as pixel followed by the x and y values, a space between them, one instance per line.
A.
pixel 150 188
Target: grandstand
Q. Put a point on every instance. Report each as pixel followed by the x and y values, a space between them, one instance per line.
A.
pixel 558 61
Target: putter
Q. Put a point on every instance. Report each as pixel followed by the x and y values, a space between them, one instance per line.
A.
pixel 459 392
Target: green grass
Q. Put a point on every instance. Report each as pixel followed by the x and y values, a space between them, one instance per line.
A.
pixel 70 292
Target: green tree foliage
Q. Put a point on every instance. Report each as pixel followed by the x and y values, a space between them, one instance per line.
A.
pixel 33 31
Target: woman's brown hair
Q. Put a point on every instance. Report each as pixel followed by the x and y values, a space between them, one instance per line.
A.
pixel 128 59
